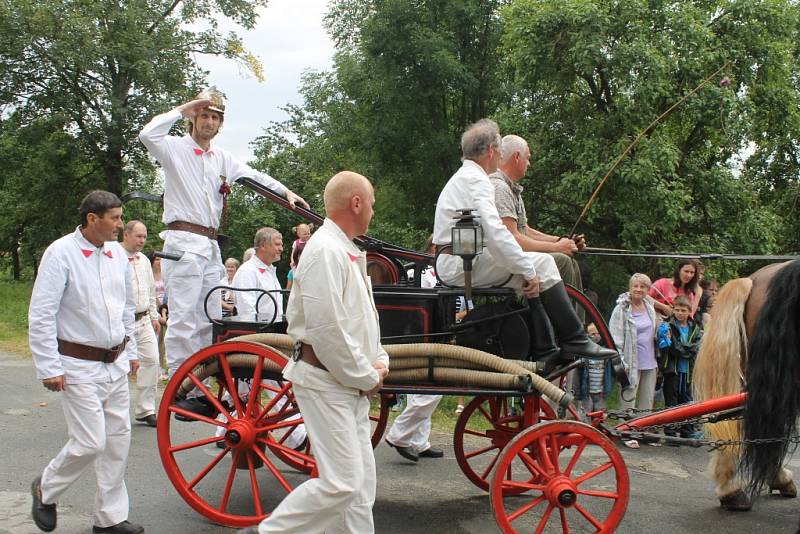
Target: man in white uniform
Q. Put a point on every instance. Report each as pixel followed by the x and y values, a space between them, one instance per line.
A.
pixel 79 320
pixel 411 429
pixel 339 362
pixel 533 273
pixel 259 272
pixel 147 326
pixel 197 179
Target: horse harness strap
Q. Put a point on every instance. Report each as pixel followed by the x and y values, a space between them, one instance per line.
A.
pixel 87 352
pixel 198 229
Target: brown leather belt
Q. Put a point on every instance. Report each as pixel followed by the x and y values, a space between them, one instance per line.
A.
pixel 139 315
pixel 87 352
pixel 308 355
pixel 184 226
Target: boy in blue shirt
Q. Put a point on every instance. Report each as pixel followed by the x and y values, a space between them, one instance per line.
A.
pixel 678 341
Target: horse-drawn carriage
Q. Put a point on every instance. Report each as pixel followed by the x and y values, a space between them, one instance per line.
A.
pixel 518 438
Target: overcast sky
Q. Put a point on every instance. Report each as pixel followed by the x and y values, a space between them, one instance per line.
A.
pixel 288 39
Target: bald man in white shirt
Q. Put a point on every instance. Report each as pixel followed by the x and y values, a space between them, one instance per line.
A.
pixel 81 334
pixel 146 320
pixel 339 363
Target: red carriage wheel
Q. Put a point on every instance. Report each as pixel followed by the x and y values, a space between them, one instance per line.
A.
pixel 560 476
pixel 484 428
pixel 239 485
pixel 379 416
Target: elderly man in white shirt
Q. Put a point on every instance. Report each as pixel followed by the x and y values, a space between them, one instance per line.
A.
pixel 147 326
pixel 338 364
pixel 81 334
pixel 259 273
pixel 534 274
pixel 197 180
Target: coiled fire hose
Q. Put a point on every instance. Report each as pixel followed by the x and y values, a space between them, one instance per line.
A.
pixel 413 363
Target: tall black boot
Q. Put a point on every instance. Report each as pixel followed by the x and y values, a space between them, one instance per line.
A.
pixel 570 332
pixel 544 346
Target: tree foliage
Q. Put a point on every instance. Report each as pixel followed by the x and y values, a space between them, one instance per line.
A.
pixel 580 79
pixel 97 70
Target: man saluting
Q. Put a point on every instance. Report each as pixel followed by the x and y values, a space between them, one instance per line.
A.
pixel 197 178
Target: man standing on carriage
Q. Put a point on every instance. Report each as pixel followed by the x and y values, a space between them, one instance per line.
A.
pixel 533 273
pixel 338 362
pixel 81 334
pixel 197 180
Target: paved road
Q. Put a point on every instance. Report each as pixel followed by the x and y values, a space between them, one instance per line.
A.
pixel 669 493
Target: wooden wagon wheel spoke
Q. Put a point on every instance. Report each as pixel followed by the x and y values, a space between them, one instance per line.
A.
pixel 528 507
pixel 230 383
pixel 589 517
pixel 226 493
pixel 207 393
pixel 255 388
pixel 254 486
pixel 207 469
pixel 575 457
pixel 193 444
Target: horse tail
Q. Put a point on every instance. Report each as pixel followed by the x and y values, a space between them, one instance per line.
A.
pixel 772 376
pixel 718 368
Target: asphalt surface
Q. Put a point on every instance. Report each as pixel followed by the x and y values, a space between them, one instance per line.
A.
pixel 669 491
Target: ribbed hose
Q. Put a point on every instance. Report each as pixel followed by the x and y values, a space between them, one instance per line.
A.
pixel 450 352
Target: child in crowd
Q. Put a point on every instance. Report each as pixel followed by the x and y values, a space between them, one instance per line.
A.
pixel 678 341
pixel 303 233
pixel 296 253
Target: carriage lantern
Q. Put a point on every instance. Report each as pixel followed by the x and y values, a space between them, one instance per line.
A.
pixel 467 242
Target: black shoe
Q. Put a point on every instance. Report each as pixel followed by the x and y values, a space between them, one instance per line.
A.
pixel 571 335
pixel 149 420
pixel 406 452
pixel 126 527
pixel 302 446
pixel 198 405
pixel 433 452
pixel 44 515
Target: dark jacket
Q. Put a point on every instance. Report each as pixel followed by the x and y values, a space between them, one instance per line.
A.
pixel 676 349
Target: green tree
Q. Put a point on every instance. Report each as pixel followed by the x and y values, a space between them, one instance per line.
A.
pixel 103 68
pixel 585 77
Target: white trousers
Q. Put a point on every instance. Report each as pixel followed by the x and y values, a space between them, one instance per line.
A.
pixel 99 430
pixel 412 428
pixel 188 282
pixel 642 394
pixel 341 499
pixel 297 434
pixel 488 271
pixel 149 369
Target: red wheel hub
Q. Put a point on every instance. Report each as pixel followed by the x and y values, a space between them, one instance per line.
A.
pixel 561 492
pixel 240 435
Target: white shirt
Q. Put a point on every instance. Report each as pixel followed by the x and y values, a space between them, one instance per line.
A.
pixel 470 187
pixel 144 285
pixel 254 273
pixel 331 308
pixel 82 294
pixel 192 178
pixel 427 278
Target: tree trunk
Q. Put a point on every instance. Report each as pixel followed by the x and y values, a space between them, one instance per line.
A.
pixel 15 262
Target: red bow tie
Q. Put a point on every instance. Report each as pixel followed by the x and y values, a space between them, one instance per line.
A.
pixel 261 270
pixel 107 253
pixel 86 253
pixel 133 258
pixel 199 152
pixel 352 257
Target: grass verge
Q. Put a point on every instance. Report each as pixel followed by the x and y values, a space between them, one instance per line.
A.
pixel 15 297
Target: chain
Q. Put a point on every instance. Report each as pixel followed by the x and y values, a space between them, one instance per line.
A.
pixel 651 431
